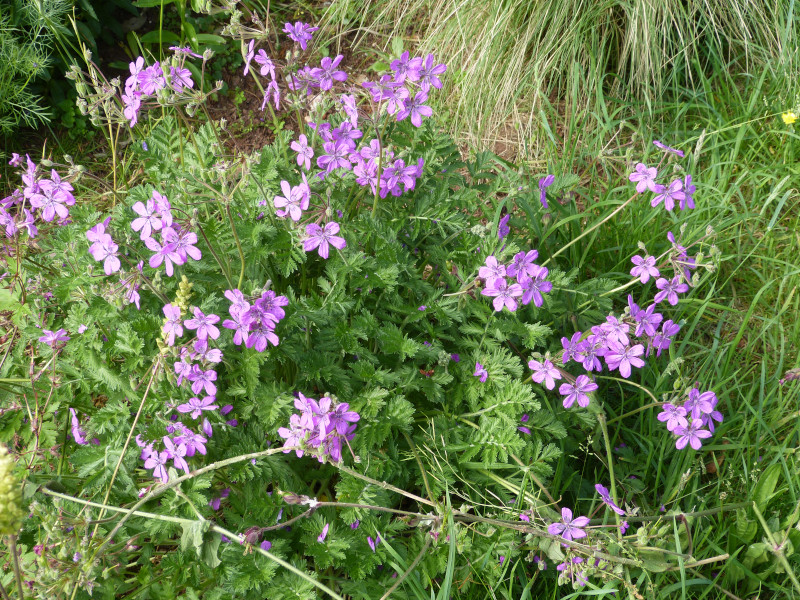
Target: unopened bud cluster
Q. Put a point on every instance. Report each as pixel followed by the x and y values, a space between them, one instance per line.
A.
pixel 10 496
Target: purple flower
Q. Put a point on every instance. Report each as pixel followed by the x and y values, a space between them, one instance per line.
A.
pixel 670 290
pixel 51 338
pixel 204 324
pixel 674 416
pixel 502 227
pixel 176 452
pixel 663 339
pixel 299 32
pixel 428 74
pixel 523 264
pixel 294 200
pixel 164 252
pixel 78 434
pixel 688 191
pixel 504 295
pixel 645 179
pixel 691 435
pixel 336 156
pixel 196 406
pixel 669 195
pixel 572 348
pixel 416 108
pixel 152 79
pixel 644 268
pixel 544 372
pixel 374 543
pixel 492 270
pixel 180 78
pixel 322 238
pixel 624 357
pixel 455 358
pixel 149 218
pixel 203 380
pixel 534 287
pixel 578 392
pixel 570 528
pixel 50 203
pixel 666 148
pixel 544 183
pixel 304 152
pixel 184 246
pixel 648 321
pixel 172 324
pixel 481 372
pixel 606 497
pixel 157 461
pixel 405 67
pixel 324 533
pixel 267 66
pixel 265 545
pixel 327 72
pixel 105 250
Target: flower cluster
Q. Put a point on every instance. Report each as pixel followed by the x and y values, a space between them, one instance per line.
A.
pixel 180 444
pixel 145 81
pixel 530 281
pixel 687 421
pixel 39 197
pixel 321 428
pixel 254 324
pixel 679 191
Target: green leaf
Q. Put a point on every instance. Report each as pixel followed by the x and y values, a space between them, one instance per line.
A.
pixel 167 37
pixel 211 543
pixel 765 488
pixel 193 536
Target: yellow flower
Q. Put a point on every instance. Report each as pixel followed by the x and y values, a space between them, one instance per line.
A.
pixel 789 117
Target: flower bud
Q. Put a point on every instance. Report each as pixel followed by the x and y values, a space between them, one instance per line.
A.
pixel 10 496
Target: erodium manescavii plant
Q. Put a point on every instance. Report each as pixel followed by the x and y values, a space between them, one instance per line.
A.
pixel 350 364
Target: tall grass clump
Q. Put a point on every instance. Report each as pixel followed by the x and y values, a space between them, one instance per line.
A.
pixel 513 53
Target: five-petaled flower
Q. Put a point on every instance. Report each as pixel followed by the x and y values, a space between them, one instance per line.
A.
pixel 322 238
pixel 51 338
pixel 570 528
pixel 480 371
pixel 544 372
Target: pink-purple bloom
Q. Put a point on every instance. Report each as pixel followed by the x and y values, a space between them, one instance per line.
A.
pixel 322 238
pixel 644 268
pixel 605 495
pixel 645 179
pixel 544 372
pixel 577 392
pixel 204 324
pixel 51 338
pixel 481 372
pixel 569 528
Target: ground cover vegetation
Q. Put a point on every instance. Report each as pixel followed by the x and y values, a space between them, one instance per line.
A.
pixel 360 363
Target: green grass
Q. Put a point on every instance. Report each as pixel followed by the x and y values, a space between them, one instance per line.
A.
pixel 507 57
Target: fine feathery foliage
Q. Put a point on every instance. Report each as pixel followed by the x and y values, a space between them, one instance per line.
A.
pixel 353 364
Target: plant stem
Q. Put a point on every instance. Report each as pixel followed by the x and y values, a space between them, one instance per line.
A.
pixel 777 549
pixel 601 418
pixel 238 244
pixel 159 490
pixel 15 560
